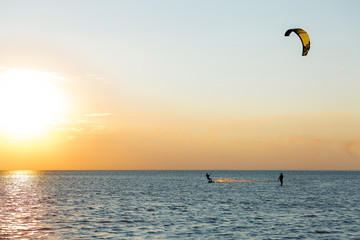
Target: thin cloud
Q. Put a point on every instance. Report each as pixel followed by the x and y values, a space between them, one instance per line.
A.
pixel 98 114
pixel 353 149
pixel 324 114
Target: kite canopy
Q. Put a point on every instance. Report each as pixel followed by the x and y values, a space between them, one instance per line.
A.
pixel 304 37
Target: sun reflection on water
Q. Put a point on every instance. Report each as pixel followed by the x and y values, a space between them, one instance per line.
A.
pixel 21 208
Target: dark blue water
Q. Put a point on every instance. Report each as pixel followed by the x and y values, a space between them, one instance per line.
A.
pixel 179 204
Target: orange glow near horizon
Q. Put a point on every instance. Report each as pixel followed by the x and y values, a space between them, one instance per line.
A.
pixel 39 132
pixel 285 142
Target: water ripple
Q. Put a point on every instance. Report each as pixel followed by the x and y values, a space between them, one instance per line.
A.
pixel 178 205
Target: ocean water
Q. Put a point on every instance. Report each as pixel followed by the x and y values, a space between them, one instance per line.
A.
pixel 179 205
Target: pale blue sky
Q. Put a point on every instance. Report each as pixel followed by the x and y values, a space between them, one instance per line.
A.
pixel 229 57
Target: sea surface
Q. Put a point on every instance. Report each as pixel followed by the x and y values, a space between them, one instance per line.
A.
pixel 179 205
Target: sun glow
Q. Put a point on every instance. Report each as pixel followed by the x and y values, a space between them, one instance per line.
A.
pixel 29 102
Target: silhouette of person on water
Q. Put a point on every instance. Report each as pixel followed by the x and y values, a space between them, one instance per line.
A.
pixel 208 177
pixel 281 177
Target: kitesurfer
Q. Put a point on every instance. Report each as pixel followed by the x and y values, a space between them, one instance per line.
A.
pixel 281 177
pixel 208 177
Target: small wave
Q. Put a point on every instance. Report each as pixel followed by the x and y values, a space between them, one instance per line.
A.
pixel 105 221
pixel 125 221
pixel 44 229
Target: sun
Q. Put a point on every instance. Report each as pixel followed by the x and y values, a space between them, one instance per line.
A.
pixel 30 102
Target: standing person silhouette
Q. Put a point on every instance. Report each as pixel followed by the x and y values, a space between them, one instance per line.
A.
pixel 281 177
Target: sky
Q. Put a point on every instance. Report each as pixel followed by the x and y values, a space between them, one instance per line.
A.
pixel 127 85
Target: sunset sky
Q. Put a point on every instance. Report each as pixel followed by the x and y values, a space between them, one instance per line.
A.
pixel 179 85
